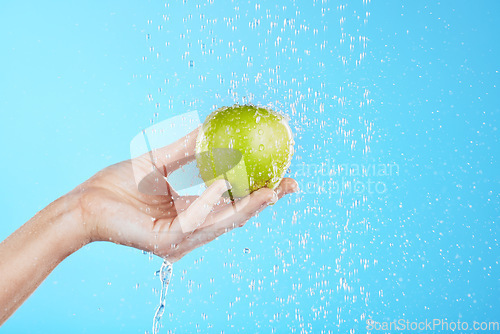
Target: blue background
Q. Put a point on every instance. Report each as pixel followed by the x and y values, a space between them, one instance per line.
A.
pixel 382 83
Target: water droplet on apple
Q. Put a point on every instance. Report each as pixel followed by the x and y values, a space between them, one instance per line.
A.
pixel 261 147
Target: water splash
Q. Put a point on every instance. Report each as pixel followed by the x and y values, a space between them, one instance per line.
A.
pixel 165 277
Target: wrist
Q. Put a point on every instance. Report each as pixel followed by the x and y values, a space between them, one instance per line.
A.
pixel 36 248
pixel 67 224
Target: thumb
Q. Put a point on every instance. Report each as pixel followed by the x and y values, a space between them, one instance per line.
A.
pixel 194 216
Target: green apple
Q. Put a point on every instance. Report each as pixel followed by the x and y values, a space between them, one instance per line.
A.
pixel 249 146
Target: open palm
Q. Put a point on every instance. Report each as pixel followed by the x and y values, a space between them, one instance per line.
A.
pixel 115 208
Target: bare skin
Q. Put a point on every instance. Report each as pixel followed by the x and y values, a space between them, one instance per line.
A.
pixel 110 207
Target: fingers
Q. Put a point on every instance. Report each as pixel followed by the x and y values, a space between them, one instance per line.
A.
pixel 231 216
pixel 239 212
pixel 247 206
pixel 287 186
pixel 194 216
pixel 155 183
pixel 235 216
pixel 175 155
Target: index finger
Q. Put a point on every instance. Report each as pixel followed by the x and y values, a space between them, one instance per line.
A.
pixel 171 157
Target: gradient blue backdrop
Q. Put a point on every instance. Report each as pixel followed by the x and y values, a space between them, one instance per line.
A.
pixel 79 80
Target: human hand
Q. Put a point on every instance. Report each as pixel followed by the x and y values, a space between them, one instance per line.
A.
pixel 112 206
pixel 166 224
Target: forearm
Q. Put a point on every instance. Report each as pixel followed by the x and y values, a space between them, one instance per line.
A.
pixel 35 249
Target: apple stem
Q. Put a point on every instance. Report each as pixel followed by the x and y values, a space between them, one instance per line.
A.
pixel 231 197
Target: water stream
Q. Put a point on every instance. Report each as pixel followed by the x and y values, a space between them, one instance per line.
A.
pixel 165 277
